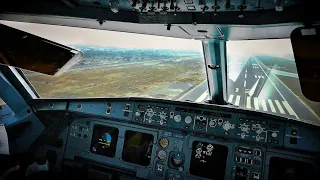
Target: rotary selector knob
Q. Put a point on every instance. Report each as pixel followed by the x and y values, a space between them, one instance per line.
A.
pixel 162 154
pixel 163 115
pixel 213 123
pixel 150 112
pixel 188 120
pixel 274 135
pixel 244 128
pixel 138 113
pixel 259 131
pixel 226 126
pixel 177 160
pixel 177 118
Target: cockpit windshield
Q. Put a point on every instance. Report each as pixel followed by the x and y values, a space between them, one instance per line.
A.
pixel 118 64
pixel 262 76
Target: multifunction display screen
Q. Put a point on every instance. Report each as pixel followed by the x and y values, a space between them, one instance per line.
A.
pixel 208 160
pixel 104 140
pixel 137 148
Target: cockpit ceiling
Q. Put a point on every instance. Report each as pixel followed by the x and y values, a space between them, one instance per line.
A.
pixel 229 12
pixel 189 31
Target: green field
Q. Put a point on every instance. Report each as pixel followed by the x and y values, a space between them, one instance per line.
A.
pixel 151 79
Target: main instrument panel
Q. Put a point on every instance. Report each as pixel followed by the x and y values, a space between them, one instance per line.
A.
pixel 158 139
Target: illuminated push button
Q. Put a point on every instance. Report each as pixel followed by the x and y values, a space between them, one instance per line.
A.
pixel 163 142
pixel 188 120
pixel 274 134
pixel 177 118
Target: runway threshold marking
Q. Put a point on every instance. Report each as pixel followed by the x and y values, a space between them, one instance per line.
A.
pixel 279 107
pixel 273 109
pixel 230 98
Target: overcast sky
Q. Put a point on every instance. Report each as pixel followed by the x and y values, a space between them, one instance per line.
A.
pixel 271 47
pixel 82 36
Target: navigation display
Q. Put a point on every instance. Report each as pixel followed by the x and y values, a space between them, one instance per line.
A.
pixel 137 148
pixel 208 160
pixel 104 140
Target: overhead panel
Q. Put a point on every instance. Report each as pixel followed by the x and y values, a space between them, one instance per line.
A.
pixel 163 6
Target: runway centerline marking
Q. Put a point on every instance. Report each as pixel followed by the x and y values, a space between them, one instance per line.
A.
pixel 237 89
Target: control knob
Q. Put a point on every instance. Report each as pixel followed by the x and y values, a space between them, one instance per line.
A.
pixel 177 160
pixel 162 154
pixel 163 115
pixel 259 131
pixel 188 120
pixel 244 128
pixel 177 118
pixel 220 121
pixel 226 126
pixel 150 113
pixel 213 123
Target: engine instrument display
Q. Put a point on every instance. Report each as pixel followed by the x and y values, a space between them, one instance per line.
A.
pixel 208 160
pixel 104 140
pixel 137 148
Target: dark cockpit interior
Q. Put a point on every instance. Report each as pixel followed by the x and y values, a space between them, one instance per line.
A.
pixel 225 90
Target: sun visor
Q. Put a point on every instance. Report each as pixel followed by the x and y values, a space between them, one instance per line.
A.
pixel 306 49
pixel 27 51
